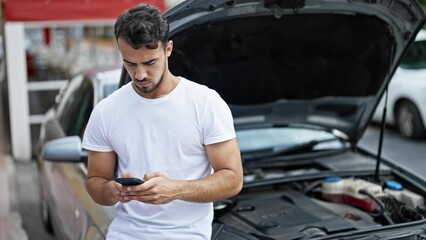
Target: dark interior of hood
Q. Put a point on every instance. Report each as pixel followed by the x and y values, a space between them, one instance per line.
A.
pixel 263 59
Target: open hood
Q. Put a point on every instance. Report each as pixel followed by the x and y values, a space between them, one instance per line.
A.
pixel 320 63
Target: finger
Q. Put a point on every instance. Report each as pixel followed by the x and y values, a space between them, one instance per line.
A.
pixel 126 196
pixel 120 188
pixel 136 194
pixel 125 199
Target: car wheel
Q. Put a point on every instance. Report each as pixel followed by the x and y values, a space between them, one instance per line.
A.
pixel 408 120
pixel 45 214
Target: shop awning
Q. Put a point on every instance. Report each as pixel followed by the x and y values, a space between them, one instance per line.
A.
pixel 68 10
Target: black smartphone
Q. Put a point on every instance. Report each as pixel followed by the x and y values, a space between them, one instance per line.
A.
pixel 128 181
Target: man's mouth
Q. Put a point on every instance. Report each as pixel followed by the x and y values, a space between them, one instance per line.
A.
pixel 143 83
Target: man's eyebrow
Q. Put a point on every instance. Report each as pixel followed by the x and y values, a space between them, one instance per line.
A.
pixel 146 62
pixel 124 60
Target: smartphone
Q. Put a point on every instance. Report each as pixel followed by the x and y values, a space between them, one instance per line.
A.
pixel 128 181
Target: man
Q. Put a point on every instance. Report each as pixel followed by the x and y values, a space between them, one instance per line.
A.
pixel 177 135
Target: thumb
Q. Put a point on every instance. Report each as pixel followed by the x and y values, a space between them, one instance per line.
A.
pixel 151 175
pixel 127 174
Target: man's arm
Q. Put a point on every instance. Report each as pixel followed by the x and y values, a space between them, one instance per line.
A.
pixel 100 174
pixel 226 181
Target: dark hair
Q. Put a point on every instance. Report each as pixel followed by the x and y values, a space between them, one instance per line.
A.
pixel 143 25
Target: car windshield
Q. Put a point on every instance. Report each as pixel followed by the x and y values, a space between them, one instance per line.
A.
pixel 272 141
pixel 415 57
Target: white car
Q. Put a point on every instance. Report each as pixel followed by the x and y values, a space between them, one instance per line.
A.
pixel 406 106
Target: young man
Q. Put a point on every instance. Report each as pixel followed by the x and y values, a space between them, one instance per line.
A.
pixel 177 135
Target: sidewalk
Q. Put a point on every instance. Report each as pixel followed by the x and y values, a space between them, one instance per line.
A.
pixel 10 221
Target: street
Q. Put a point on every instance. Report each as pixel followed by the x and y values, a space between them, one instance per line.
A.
pixel 405 152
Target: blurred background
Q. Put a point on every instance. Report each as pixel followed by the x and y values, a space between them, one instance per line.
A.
pixel 44 43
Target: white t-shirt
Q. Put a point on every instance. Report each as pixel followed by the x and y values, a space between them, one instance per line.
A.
pixel 165 135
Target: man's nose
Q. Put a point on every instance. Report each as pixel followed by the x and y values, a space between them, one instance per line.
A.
pixel 140 73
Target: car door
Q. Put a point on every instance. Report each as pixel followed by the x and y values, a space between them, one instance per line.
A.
pixel 65 180
pixel 91 219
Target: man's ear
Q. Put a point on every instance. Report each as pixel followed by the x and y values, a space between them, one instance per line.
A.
pixel 169 48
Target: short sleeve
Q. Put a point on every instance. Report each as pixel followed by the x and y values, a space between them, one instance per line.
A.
pixel 94 138
pixel 218 122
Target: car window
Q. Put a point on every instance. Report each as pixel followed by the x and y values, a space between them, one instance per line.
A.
pixel 63 98
pixel 415 57
pixel 108 82
pixel 75 107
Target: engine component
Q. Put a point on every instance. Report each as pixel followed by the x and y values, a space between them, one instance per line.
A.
pixel 350 191
pixel 403 195
pixel 289 215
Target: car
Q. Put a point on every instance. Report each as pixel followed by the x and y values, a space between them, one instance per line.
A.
pixel 59 183
pixel 406 102
pixel 302 80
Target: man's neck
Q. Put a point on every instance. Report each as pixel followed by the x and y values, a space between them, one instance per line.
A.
pixel 167 86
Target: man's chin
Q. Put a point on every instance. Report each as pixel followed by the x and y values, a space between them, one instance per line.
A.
pixel 142 89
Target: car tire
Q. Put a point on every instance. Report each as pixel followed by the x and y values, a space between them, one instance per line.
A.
pixel 408 120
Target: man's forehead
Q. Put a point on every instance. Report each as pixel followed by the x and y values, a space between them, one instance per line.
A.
pixel 155 45
pixel 141 55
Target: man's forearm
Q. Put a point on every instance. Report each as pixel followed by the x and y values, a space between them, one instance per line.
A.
pixel 100 191
pixel 220 185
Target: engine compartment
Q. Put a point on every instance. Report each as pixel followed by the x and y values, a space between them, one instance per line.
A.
pixel 308 209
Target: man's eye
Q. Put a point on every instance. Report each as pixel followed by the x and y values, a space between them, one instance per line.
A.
pixel 151 62
pixel 130 64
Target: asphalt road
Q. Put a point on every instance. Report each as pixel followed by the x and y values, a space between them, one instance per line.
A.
pixel 404 152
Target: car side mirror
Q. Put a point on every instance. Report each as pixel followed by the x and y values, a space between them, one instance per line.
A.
pixel 66 149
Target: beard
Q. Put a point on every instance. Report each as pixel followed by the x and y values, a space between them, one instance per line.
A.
pixel 147 90
pixel 151 89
